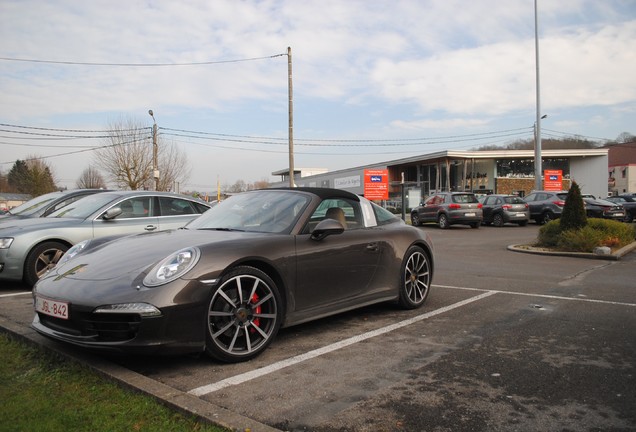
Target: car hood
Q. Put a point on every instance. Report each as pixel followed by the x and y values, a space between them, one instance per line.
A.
pixel 133 256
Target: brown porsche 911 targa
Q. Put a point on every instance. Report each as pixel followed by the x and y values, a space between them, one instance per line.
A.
pixel 226 282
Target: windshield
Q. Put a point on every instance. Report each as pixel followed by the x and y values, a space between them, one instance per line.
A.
pixel 33 205
pixel 84 207
pixel 258 211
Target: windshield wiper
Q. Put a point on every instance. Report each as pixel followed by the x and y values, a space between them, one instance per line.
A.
pixel 223 229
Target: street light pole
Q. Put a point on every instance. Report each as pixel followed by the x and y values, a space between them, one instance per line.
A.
pixel 538 184
pixel 291 119
pixel 155 167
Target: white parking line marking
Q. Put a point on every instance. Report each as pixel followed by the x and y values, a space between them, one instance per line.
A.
pixel 15 294
pixel 247 376
pixel 587 300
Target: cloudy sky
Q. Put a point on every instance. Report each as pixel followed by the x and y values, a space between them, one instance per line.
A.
pixel 373 80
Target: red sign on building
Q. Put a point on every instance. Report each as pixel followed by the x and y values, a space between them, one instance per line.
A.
pixel 553 180
pixel 376 184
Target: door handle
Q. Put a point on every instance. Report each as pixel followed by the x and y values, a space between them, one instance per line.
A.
pixel 373 247
pixel 150 227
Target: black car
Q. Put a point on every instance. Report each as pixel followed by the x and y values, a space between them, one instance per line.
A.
pixel 629 204
pixel 228 281
pixel 599 208
pixel 501 209
pixel 449 208
pixel 545 206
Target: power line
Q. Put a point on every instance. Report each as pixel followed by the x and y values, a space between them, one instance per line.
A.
pixel 486 135
pixel 69 130
pixel 78 63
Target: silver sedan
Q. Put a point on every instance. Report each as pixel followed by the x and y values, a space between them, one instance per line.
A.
pixel 30 247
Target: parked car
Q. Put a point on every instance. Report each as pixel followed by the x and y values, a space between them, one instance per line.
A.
pixel 545 206
pixel 629 204
pixel 501 209
pixel 227 282
pixel 46 204
pixel 30 247
pixel 599 208
pixel 449 208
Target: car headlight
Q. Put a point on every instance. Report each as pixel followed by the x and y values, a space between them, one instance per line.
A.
pixel 173 267
pixel 73 251
pixel 5 242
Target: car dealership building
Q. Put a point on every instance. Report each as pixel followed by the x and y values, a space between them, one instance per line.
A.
pixel 492 171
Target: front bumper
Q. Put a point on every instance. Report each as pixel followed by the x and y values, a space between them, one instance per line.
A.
pixel 178 330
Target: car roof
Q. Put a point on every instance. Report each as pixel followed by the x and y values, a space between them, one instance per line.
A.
pixel 145 193
pixel 323 193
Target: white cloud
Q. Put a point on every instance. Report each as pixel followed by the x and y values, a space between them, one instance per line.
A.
pixel 399 65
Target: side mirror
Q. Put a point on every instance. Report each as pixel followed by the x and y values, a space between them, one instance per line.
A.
pixel 112 213
pixel 326 228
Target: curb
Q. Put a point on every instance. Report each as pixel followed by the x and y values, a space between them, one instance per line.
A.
pixel 541 251
pixel 168 396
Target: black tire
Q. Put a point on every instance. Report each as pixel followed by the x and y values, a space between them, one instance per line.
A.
pixel 629 218
pixel 41 259
pixel 498 220
pixel 442 221
pixel 243 315
pixel 546 217
pixel 416 278
pixel 415 220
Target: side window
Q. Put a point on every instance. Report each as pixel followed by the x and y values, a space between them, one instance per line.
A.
pixel 200 207
pixel 383 216
pixel 490 201
pixel 175 207
pixel 430 201
pixel 135 208
pixel 346 212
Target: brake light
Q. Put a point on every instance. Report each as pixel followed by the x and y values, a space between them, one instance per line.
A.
pixel 454 206
pixel 506 207
pixel 480 205
pixel 559 203
pixel 526 205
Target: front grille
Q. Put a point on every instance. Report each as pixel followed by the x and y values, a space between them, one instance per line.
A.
pixel 109 327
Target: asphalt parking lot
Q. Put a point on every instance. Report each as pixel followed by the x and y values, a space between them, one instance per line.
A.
pixel 506 341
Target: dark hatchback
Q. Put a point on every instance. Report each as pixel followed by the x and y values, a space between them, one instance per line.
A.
pixel 449 208
pixel 546 205
pixel 502 209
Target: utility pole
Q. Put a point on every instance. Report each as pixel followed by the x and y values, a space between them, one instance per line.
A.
pixel 291 119
pixel 155 166
pixel 538 184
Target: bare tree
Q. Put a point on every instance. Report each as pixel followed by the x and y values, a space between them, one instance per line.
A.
pixel 127 157
pixel 173 166
pixel 91 178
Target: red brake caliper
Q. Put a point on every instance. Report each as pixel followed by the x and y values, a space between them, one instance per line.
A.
pixel 257 310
